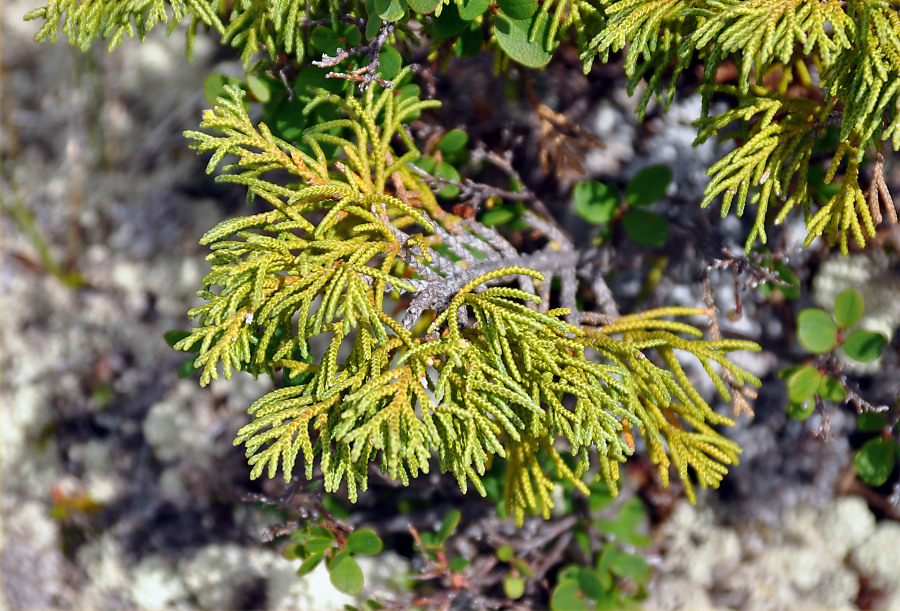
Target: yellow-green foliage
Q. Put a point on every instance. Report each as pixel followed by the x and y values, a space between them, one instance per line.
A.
pixel 84 21
pixel 409 333
pixel 843 58
pixel 483 374
pixel 854 49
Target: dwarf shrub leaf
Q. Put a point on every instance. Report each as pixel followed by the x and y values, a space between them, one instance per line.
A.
pixel 363 541
pixel 423 7
pixel 803 383
pixel 310 563
pixel 864 346
pixel 471 9
pixel 648 185
pixel 514 587
pixel 345 574
pixel 871 422
pixel 516 38
pixel 390 10
pixel 453 141
pixel 848 308
pixel 874 461
pixel 631 566
pixel 518 9
pixel 801 411
pixel 595 202
pixel 591 583
pixel 816 331
pixel 567 597
pixel 645 227
pixel 830 389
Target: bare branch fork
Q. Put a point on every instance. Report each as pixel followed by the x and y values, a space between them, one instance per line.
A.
pixel 366 75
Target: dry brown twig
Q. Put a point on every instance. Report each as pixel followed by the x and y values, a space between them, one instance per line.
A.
pixel 878 192
pixel 740 396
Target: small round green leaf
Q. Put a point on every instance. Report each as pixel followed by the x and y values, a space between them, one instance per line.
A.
pixel 595 202
pixel 645 227
pixel 607 556
pixel 458 564
pixel 318 544
pixel 259 87
pixel 351 36
pixel 311 562
pixel 390 10
pixel 292 552
pixel 592 584
pixel 632 566
pixel 830 389
pixel 445 170
pixel 322 532
pixel 518 9
pixel 428 164
pixel 453 141
pixel 472 9
pixel 816 331
pixel 874 461
pixel 364 541
pixel 803 383
pixel 801 411
pixel 568 572
pixel 864 346
pixel 849 308
pixel 324 39
pixel 390 61
pixel 373 25
pixel 448 23
pixel 514 587
pixel 527 47
pixel 871 422
pixel 505 553
pixel 423 7
pixel 214 86
pixel 345 574
pixel 649 185
pixel 498 215
pixel 567 597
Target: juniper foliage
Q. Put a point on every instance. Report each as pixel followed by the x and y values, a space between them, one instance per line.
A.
pixel 804 66
pixel 471 370
pixel 408 332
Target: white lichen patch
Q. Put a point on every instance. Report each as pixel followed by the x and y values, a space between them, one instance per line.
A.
pixel 805 565
pixel 878 557
pixel 880 287
pixel 157 585
pixel 217 573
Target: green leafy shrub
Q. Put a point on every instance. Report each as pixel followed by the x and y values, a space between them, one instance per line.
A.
pixel 875 460
pixel 601 204
pixel 809 385
pixel 820 333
